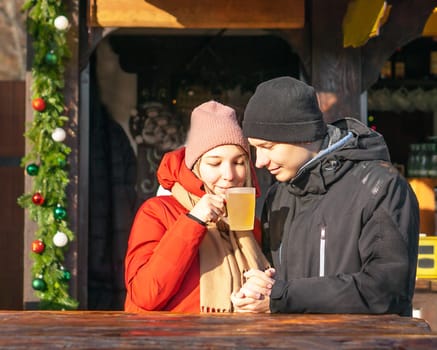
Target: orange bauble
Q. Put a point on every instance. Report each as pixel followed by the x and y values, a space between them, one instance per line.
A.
pixel 38 104
pixel 38 246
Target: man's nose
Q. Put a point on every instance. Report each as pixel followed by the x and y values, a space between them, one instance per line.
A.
pixel 261 159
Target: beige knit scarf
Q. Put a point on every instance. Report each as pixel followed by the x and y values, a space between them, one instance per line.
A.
pixel 224 256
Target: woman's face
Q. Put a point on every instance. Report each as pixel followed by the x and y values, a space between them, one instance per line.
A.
pixel 223 167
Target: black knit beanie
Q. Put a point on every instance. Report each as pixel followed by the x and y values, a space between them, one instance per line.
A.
pixel 285 110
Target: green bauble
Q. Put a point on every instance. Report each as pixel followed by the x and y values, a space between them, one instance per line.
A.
pixel 60 213
pixel 66 275
pixel 51 58
pixel 62 162
pixel 39 284
pixel 32 169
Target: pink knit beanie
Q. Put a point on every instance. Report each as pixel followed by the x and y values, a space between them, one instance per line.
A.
pixel 212 124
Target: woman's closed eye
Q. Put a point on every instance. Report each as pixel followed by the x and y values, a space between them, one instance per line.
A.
pixel 213 164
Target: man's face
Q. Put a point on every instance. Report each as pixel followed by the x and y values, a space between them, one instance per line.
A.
pixel 282 160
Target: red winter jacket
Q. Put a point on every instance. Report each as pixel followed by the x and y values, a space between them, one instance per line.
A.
pixel 162 269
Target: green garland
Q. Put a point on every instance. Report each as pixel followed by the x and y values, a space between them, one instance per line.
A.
pixel 46 160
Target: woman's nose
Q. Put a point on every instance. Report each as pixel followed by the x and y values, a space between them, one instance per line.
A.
pixel 228 172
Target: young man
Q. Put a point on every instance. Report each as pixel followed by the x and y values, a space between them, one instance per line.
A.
pixel 341 225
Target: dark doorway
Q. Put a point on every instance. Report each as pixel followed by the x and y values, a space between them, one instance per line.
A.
pixel 174 73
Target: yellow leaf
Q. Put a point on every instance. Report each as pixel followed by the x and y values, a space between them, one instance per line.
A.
pixel 362 21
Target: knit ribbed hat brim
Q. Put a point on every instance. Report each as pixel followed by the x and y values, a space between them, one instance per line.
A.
pixel 285 110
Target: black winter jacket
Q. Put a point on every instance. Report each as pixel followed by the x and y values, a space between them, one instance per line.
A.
pixel 343 234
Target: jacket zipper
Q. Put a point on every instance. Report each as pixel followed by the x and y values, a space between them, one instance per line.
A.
pixel 322 251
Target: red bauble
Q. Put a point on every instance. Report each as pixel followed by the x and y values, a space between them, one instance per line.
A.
pixel 38 104
pixel 38 246
pixel 37 199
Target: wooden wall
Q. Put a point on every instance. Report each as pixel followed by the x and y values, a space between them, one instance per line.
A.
pixel 12 115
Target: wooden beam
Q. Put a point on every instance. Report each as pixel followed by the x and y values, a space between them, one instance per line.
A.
pixel 197 14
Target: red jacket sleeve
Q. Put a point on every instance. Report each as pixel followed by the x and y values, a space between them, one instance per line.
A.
pixel 162 245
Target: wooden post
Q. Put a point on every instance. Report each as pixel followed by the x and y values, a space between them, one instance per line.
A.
pixel 335 72
pixel 76 259
pixel 334 69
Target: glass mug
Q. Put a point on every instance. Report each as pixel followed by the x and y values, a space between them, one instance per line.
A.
pixel 240 204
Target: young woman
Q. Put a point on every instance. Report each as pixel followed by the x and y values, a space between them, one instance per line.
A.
pixel 181 255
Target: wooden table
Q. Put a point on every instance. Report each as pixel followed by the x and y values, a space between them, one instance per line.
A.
pixel 158 330
pixel 425 301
